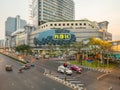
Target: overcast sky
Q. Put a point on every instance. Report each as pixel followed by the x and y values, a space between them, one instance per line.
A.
pixel 94 10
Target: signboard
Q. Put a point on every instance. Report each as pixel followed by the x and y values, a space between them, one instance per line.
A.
pixel 55 37
pixel 64 36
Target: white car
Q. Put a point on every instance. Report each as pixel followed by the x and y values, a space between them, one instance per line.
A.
pixel 65 70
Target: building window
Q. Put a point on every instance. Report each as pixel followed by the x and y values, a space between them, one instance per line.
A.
pixel 76 24
pixel 67 24
pixel 55 24
pixel 39 23
pixel 51 24
pixel 59 24
pixel 80 24
pixel 71 24
pixel 85 24
pixel 63 24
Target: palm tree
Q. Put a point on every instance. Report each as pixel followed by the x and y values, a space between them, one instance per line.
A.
pixel 78 46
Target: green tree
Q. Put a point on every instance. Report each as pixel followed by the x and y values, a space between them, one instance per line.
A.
pixel 65 48
pixel 78 46
pixel 23 49
pixel 100 46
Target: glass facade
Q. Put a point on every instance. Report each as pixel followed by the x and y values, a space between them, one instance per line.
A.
pixel 9 26
pixel 52 10
pixel 12 24
pixel 54 37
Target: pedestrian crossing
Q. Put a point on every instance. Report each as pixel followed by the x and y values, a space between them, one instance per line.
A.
pixel 70 80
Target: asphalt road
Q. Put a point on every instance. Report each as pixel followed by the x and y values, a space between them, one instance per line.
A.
pixel 88 77
pixel 32 79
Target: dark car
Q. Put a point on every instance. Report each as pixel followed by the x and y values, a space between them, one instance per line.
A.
pixel 8 67
pixel 76 68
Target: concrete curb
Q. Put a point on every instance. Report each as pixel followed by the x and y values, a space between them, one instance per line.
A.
pixel 15 59
pixel 96 69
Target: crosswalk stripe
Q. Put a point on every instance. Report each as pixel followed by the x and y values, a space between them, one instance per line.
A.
pixel 70 79
pixel 75 81
pixel 80 84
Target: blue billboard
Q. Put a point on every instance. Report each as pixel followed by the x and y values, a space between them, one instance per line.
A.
pixel 54 37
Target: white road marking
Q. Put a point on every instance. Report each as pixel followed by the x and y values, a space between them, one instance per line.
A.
pixel 75 81
pixel 70 79
pixel 80 85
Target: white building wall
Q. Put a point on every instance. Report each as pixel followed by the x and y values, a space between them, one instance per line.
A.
pixel 81 28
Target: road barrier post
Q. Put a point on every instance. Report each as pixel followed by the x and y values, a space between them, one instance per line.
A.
pixel 65 78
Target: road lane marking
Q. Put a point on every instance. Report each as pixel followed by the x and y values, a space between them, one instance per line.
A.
pixel 102 76
pixel 75 81
pixel 70 79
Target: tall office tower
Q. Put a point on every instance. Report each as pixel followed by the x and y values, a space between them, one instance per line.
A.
pixel 52 10
pixel 12 24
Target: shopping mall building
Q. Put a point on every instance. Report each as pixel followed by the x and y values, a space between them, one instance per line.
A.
pixel 62 32
pixel 53 23
pixel 59 33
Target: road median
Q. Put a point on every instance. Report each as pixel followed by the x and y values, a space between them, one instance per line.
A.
pixel 14 58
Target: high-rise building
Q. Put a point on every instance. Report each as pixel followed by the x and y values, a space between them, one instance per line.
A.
pixel 12 24
pixel 52 10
